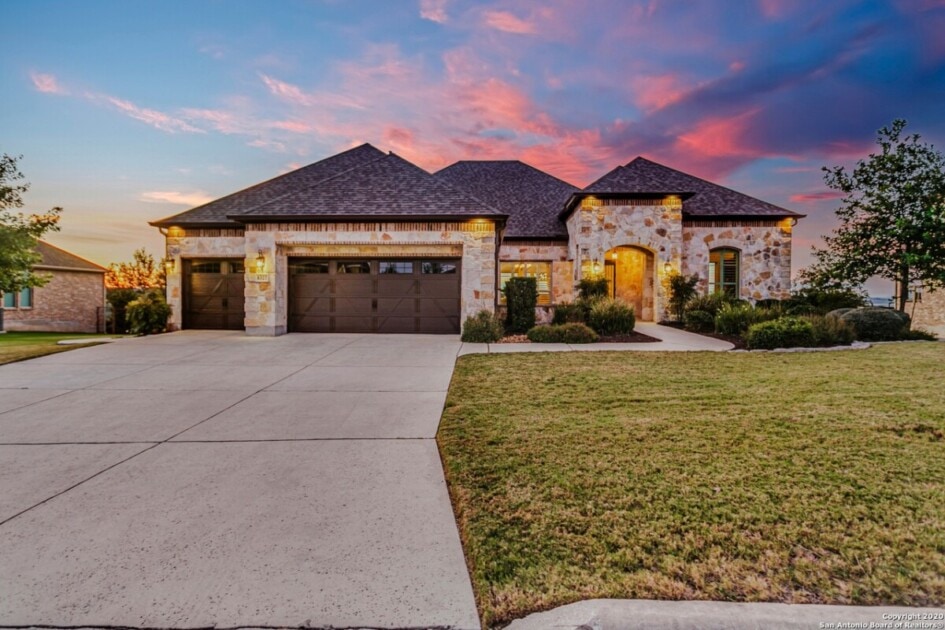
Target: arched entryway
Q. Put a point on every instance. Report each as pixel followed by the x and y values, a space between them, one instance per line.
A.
pixel 631 275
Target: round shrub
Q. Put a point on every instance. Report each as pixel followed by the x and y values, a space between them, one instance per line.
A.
pixel 483 327
pixel 839 312
pixel 830 331
pixel 611 317
pixel 562 333
pixel 569 312
pixel 147 315
pixel 709 303
pixel 699 321
pixel 874 323
pixel 785 332
pixel 734 319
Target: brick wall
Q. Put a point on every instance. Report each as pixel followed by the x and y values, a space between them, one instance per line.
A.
pixel 68 303
pixel 929 314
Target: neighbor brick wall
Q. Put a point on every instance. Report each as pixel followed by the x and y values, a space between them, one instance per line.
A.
pixel 68 303
pixel 929 314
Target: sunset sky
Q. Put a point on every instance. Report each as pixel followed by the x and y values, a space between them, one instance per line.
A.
pixel 127 112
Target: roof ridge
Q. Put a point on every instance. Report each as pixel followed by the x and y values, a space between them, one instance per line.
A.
pixel 67 252
pixel 440 182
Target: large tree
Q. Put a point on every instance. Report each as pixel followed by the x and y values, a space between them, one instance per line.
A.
pixel 892 217
pixel 141 273
pixel 19 232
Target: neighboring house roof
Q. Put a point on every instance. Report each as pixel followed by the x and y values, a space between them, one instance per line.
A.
pixel 702 198
pixel 56 258
pixel 362 181
pixel 532 198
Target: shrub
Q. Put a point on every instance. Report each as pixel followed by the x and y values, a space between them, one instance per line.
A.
pixel 611 317
pixel 521 297
pixel 708 303
pixel 699 321
pixel 831 331
pixel 590 288
pixel 570 312
pixel 784 332
pixel 838 312
pixel 147 315
pixel 119 299
pixel 877 324
pixel 734 319
pixel 769 303
pixel 681 290
pixel 562 333
pixel 822 301
pixel 483 327
pixel 918 335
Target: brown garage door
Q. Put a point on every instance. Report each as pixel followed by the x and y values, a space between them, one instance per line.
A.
pixel 213 294
pixel 374 295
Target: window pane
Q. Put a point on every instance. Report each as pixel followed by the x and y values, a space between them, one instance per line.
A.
pixel 431 266
pixel 8 300
pixel 310 266
pixel 354 267
pixel 541 271
pixel 26 298
pixel 723 271
pixel 396 267
pixel 205 267
pixel 238 267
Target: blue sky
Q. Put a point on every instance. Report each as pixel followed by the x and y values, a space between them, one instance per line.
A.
pixel 126 112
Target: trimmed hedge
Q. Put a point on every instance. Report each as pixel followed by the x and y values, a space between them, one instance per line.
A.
pixel 877 324
pixel 611 317
pixel 786 332
pixel 483 327
pixel 590 288
pixel 562 333
pixel 521 298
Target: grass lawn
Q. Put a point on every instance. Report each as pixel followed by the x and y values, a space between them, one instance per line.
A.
pixel 16 346
pixel 804 478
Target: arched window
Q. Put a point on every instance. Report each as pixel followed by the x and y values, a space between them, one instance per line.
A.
pixel 724 271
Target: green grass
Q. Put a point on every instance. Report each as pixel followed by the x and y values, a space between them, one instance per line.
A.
pixel 804 478
pixel 17 346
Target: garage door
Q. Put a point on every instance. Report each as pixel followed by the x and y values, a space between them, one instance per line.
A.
pixel 377 295
pixel 213 294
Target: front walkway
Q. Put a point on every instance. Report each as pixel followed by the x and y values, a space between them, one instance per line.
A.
pixel 210 478
pixel 671 340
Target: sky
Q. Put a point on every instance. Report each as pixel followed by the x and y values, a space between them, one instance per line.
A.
pixel 127 112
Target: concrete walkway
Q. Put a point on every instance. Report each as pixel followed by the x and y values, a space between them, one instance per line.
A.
pixel 210 478
pixel 671 340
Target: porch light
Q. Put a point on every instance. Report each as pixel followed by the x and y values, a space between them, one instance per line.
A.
pixel 596 267
pixel 260 263
pixel 613 256
pixel 169 264
pixel 667 267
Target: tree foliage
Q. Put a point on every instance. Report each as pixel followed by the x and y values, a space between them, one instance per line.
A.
pixel 139 274
pixel 892 217
pixel 19 233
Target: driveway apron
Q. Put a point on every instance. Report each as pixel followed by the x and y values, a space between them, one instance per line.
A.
pixel 210 478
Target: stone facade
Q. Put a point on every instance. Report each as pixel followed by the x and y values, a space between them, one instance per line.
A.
pixel 764 248
pixel 929 313
pixel 562 272
pixel 72 301
pixel 266 293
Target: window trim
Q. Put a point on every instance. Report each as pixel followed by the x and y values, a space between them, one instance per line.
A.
pixel 16 303
pixel 718 286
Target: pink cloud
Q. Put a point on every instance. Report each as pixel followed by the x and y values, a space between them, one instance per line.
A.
pixel 153 117
pixel 47 83
pixel 816 196
pixel 652 93
pixel 433 10
pixel 508 22
pixel 719 137
pixel 190 199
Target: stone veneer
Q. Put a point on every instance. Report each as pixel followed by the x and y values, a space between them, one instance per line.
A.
pixel 764 253
pixel 73 301
pixel 266 294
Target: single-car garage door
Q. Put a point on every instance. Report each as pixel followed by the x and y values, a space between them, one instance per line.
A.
pixel 213 294
pixel 374 295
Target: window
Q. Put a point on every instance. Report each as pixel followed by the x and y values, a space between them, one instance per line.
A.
pixel 431 266
pixel 396 267
pixel 541 271
pixel 9 300
pixel 354 267
pixel 237 267
pixel 310 266
pixel 26 298
pixel 723 271
pixel 205 267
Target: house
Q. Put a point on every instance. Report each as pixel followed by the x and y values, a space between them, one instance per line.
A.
pixel 72 301
pixel 928 311
pixel 365 241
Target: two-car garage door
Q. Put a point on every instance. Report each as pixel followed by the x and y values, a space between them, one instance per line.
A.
pixel 374 295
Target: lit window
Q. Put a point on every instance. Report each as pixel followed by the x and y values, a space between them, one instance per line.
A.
pixel 541 271
pixel 9 300
pixel 26 298
pixel 723 271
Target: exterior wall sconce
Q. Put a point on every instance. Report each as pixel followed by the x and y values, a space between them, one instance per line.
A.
pixel 596 267
pixel 170 265
pixel 613 256
pixel 667 267
pixel 260 266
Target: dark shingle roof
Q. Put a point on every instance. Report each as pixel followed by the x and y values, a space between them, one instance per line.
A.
pixel 642 176
pixel 363 181
pixel 52 256
pixel 531 198
pixel 389 186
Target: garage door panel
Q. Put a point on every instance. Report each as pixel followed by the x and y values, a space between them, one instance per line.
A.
pixel 214 293
pixel 404 307
pixel 438 308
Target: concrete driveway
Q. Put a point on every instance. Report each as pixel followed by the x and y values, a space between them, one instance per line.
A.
pixel 209 478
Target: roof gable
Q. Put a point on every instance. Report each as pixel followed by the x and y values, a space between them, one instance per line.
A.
pixel 531 197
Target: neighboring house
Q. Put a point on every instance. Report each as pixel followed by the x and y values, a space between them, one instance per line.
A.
pixel 72 301
pixel 929 312
pixel 365 241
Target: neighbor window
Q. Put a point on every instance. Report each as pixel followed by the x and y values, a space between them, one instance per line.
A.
pixel 724 271
pixel 26 298
pixel 9 300
pixel 541 271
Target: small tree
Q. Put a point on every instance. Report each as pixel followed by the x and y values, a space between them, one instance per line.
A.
pixel 19 233
pixel 139 274
pixel 892 218
pixel 681 289
pixel 521 297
